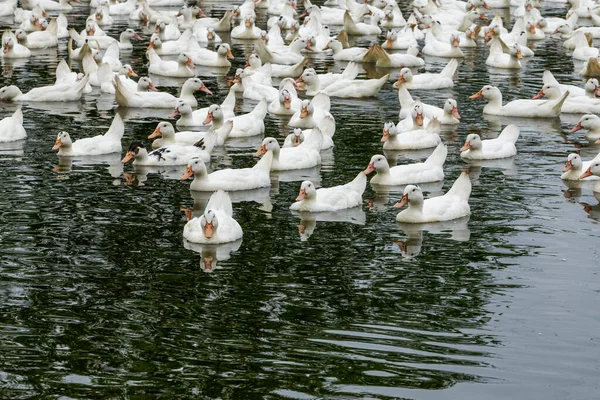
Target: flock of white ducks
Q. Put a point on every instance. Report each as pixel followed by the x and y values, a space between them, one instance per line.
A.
pixel 178 43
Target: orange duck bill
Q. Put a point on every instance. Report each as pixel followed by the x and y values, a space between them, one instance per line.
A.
pixel 188 173
pixel 587 173
pixel 402 202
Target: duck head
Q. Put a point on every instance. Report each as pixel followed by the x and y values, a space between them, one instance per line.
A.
pixel 196 168
pixel 412 195
pixel 185 59
pixel 307 191
pixel 182 107
pixel 135 149
pixel 225 51
pixel 209 223
pixel 377 163
pixel 388 129
pixel 214 112
pixel 588 121
pixel 145 84
pixel 162 129
pixel 62 140
pixel 473 142
pixel 594 169
pixel 451 107
pixel 285 98
pixel 298 137
pixel 573 162
pixel 268 143
pixel 390 37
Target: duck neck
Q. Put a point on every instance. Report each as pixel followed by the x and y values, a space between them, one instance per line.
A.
pixel 404 97
pixel 187 117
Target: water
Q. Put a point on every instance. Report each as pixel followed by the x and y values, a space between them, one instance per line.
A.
pixel 100 297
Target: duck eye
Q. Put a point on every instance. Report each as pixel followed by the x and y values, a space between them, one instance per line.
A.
pixel 414 190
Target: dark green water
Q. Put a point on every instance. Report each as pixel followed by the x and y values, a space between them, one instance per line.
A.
pixel 100 298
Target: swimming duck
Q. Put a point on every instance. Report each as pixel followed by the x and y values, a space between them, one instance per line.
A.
pixel 60 92
pixel 360 28
pixel 11 48
pixel 574 168
pixel 454 204
pixel 165 156
pixel 356 54
pixel 218 25
pixel 246 125
pixel 198 117
pixel 572 105
pixel 210 58
pixel 154 99
pixel 178 46
pixel 11 128
pixel 168 136
pixel 432 170
pixel 342 88
pixel 287 102
pixel 501 147
pixel 216 225
pixel 549 79
pixel 593 170
pixel 39 39
pixel 399 40
pixel 427 80
pixel 507 60
pixel 290 158
pixel 519 108
pixel 412 140
pixel 383 59
pixel 311 112
pixel 434 47
pixel 206 35
pixel 229 179
pixel 286 56
pixel 183 67
pixel 108 143
pixel 166 31
pixel 590 122
pixel 330 199
pixel 246 29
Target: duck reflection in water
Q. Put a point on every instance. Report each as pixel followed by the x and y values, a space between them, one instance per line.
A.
pixel 211 254
pixel 308 220
pixel 411 246
pixel 66 164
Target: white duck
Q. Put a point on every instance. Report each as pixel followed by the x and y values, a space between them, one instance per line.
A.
pixel 246 29
pixel 178 46
pixel 593 170
pixel 355 54
pixel 549 79
pixel 330 199
pixel 572 105
pixel 454 204
pixel 311 112
pixel 229 179
pixel 210 58
pixel 166 31
pixel 154 99
pixel 168 135
pixel 216 225
pixel 300 157
pixel 511 59
pixel 245 125
pixel 11 128
pixel 360 28
pixel 108 143
pixel 427 80
pixel 60 92
pixel 342 88
pixel 399 40
pixel 414 139
pixel 574 168
pixel 432 170
pixel 198 117
pixel 501 147
pixel 286 56
pixel 11 48
pixel 183 67
pixel 39 39
pixel 383 59
pixel 519 108
pixel 590 122
pixel 165 156
pixel 434 47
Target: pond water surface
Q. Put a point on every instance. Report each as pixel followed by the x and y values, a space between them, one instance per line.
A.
pixel 101 298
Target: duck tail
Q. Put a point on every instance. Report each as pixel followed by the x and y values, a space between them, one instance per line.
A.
pixel 321 101
pixel 434 126
pixel 349 24
pixel 18 116
pixel 327 126
pixel 510 134
pixel 450 68
pixel 351 71
pixel 461 187
pixel 548 78
pixel 298 68
pixel 220 200
pixel 62 70
pixel 343 38
pixel 260 111
pixel 263 52
pixel 117 127
pixel 229 100
pixel 70 47
pixel 558 106
pixel 200 144
pixel 225 22
pixel 120 92
pixel 375 54
pixel 358 184
pixel 438 157
pixel 315 140
pixel 223 133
